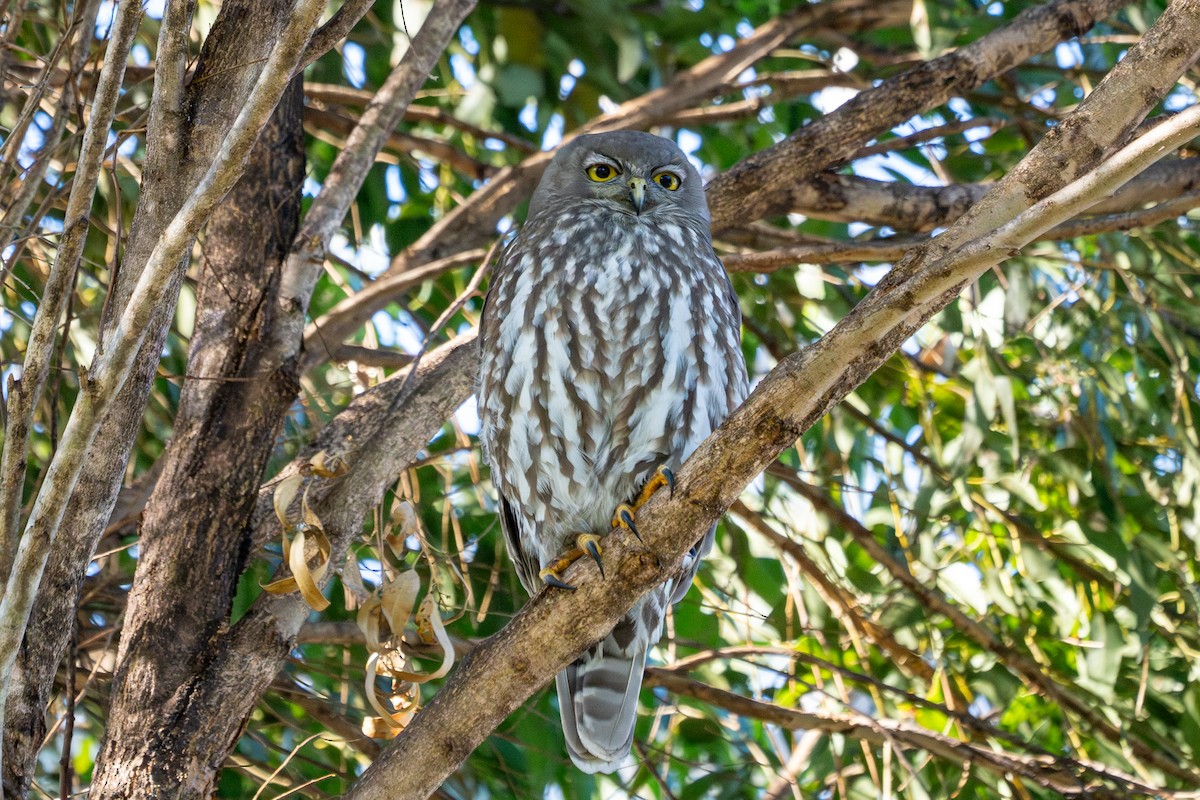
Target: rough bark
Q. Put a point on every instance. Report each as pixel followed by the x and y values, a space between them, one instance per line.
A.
pixel 177 157
pixel 379 433
pixel 235 666
pixel 232 406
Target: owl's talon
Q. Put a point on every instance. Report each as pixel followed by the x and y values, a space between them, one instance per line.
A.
pixel 550 578
pixel 590 543
pixel 623 518
pixel 663 476
pixel 586 544
pixel 669 477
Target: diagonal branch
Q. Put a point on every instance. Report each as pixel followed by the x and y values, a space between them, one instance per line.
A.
pixel 24 394
pixel 760 186
pixel 1063 776
pixel 336 28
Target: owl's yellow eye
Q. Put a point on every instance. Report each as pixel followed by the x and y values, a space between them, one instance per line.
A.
pixel 667 180
pixel 602 173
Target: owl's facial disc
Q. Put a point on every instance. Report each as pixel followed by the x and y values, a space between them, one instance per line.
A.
pixel 628 185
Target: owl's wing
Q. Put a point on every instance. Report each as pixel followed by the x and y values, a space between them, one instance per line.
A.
pixel 527 565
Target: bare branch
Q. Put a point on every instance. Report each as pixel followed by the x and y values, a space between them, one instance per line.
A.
pixel 928 135
pixel 759 186
pixel 334 30
pixel 350 168
pixel 907 207
pixel 1059 775
pixel 24 394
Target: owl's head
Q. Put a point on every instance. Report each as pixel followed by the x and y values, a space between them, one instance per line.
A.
pixel 627 172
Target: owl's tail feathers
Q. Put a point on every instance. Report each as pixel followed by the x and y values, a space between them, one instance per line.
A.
pixel 597 698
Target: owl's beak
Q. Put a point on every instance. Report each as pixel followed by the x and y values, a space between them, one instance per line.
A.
pixel 637 192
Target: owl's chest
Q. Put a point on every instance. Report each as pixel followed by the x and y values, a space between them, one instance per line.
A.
pixel 608 326
pixel 595 364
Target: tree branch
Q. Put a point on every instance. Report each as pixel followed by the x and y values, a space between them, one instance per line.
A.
pixel 838 600
pixel 23 395
pixel 826 251
pixel 335 29
pixel 760 185
pixel 911 208
pixel 349 170
pixel 378 435
pixel 1069 779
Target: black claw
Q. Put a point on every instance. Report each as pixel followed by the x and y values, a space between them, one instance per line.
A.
pixel 594 551
pixel 555 581
pixel 670 476
pixel 627 518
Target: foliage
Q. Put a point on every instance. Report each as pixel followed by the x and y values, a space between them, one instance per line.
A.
pixel 1030 458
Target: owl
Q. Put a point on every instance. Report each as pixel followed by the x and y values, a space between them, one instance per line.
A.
pixel 610 348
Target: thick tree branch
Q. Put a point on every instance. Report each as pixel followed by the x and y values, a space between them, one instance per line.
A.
pixel 378 435
pixel 760 185
pixel 193 527
pixel 1102 122
pixel 188 123
pixel 826 251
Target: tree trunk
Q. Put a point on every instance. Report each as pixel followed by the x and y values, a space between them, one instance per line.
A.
pixel 193 534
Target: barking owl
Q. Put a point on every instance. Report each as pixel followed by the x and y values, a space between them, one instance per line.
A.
pixel 610 347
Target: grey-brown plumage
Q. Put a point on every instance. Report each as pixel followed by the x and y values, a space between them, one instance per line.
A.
pixel 610 347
